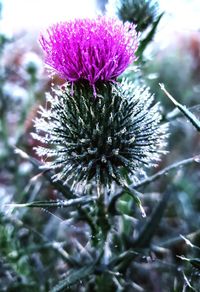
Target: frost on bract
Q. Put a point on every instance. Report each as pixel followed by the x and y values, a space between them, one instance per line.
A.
pixel 94 140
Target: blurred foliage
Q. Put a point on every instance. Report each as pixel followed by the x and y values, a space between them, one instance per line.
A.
pixel 39 246
pixel 167 68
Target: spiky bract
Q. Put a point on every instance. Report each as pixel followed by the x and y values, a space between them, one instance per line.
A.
pixel 89 49
pixel 100 140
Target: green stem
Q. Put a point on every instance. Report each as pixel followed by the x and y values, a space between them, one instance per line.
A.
pixel 55 203
pixel 195 122
pixel 164 171
pixel 102 216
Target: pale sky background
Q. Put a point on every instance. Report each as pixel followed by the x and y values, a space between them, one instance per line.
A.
pixel 29 15
pixel 34 14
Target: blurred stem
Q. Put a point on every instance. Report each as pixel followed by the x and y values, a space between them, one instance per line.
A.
pixel 26 109
pixel 164 171
pixel 4 129
pixel 102 216
pixel 56 203
pixel 3 123
pixel 3 99
pixel 89 219
pixel 116 261
pixel 57 246
pixel 195 122
pixel 122 262
pixel 65 190
pixel 178 240
pixel 174 114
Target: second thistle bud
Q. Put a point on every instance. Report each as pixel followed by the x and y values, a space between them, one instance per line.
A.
pixel 140 12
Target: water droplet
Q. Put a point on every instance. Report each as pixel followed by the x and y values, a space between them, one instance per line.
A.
pixel 109 141
pixel 132 139
pixel 103 159
pixel 115 151
pixel 123 131
pixel 92 150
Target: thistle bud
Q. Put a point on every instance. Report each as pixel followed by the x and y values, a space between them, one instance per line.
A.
pixel 140 12
pixel 91 140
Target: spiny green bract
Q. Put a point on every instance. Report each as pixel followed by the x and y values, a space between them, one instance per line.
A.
pixel 99 139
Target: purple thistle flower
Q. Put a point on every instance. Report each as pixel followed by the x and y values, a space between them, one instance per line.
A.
pixel 89 49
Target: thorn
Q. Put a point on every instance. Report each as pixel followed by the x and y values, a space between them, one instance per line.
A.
pixel 183 258
pixel 98 191
pixel 143 213
pixel 21 153
pixel 35 177
pixel 187 241
pixel 162 86
pixel 191 117
pixel 187 282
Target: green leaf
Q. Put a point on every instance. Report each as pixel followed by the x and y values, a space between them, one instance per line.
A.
pixel 152 224
pixel 135 195
pixel 125 204
pixel 131 192
pixel 122 258
pixel 148 39
pixel 73 277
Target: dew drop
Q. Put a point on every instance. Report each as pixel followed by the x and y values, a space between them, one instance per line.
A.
pixel 103 159
pixel 109 141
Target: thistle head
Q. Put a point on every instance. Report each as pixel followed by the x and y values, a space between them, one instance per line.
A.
pixel 89 49
pixel 87 140
pixel 140 12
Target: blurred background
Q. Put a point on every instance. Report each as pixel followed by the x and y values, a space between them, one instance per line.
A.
pixel 171 57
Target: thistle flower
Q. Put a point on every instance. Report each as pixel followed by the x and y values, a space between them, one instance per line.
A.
pixel 89 49
pixel 90 140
